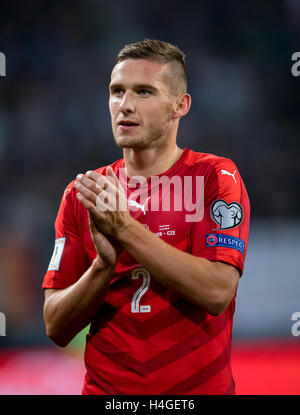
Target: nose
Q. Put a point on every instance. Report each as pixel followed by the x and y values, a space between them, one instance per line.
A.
pixel 127 104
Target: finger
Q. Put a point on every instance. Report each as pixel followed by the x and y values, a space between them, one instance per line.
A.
pixel 106 201
pixel 106 183
pixel 114 193
pixel 91 221
pixel 102 202
pixel 99 180
pixel 111 173
pixel 120 190
pixel 87 182
pixel 93 175
pixel 84 201
pixel 121 197
pixel 90 206
pixel 86 192
pixel 104 248
pixel 110 178
pixel 110 182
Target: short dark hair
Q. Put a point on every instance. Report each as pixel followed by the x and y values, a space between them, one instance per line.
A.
pixel 159 51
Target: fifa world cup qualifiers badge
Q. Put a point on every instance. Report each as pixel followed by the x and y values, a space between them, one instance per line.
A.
pixel 296 66
pixel 2 64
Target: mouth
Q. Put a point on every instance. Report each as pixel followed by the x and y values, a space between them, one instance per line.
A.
pixel 126 125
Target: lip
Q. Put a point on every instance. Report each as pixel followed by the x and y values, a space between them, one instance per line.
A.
pixel 122 125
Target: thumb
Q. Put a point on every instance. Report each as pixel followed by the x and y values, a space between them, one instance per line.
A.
pixel 91 221
pixel 112 174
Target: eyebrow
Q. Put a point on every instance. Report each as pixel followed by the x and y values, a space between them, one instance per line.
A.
pixel 135 86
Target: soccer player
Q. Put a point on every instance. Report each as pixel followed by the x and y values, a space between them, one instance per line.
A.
pixel 150 249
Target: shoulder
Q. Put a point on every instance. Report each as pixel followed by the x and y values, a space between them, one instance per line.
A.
pixel 211 162
pixel 220 173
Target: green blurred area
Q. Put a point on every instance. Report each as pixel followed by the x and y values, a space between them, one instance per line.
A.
pixel 77 345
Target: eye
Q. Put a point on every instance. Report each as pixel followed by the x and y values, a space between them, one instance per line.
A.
pixel 117 91
pixel 145 92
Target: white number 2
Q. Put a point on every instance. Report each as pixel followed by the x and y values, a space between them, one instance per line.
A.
pixel 135 303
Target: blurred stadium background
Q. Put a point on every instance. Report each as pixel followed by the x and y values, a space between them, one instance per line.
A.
pixel 54 123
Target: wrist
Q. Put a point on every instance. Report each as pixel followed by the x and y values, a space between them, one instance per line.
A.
pixel 98 265
pixel 123 232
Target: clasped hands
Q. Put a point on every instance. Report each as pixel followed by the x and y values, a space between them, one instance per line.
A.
pixel 108 212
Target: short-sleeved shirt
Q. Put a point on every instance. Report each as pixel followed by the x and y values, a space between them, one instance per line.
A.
pixel 146 338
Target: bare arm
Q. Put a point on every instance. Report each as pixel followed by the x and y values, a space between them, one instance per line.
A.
pixel 67 311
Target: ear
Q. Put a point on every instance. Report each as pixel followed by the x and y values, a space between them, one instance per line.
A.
pixel 182 106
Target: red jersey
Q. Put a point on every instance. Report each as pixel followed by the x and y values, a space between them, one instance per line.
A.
pixel 147 339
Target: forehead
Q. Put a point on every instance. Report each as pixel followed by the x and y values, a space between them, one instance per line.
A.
pixel 138 71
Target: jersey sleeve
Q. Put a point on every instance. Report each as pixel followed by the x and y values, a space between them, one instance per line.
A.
pixel 69 260
pixel 222 234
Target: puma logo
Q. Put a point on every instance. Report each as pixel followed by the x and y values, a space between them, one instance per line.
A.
pixel 138 205
pixel 229 174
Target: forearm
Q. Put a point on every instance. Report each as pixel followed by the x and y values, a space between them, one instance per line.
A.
pixel 202 281
pixel 68 311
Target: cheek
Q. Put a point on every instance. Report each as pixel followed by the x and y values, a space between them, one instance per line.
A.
pixel 151 113
pixel 160 116
pixel 113 108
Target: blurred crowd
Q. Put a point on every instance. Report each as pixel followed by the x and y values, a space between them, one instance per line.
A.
pixel 55 123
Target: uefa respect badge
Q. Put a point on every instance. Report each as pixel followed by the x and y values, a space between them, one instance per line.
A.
pixel 225 241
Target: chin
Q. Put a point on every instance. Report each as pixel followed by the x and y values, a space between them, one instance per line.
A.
pixel 126 142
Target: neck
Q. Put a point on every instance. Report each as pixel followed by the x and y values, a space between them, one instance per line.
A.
pixel 150 162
